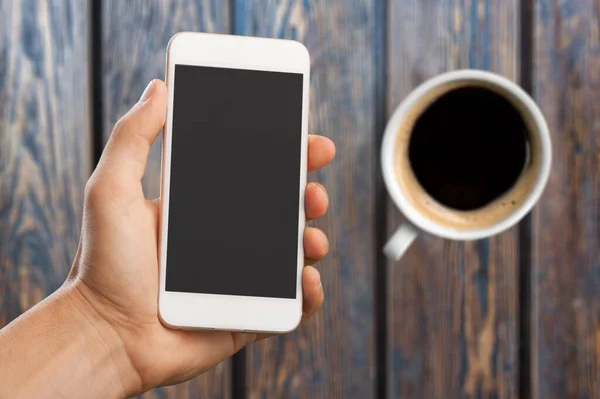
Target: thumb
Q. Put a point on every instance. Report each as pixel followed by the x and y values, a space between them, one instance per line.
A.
pixel 124 157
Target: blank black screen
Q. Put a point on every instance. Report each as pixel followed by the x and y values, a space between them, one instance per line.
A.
pixel 234 194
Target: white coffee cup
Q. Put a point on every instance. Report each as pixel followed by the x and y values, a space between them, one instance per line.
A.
pixel 420 99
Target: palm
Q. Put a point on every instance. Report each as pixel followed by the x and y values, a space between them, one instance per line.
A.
pixel 126 241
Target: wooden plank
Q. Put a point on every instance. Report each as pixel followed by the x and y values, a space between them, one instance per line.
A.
pixel 566 235
pixel 333 355
pixel 134 39
pixel 45 156
pixel 453 310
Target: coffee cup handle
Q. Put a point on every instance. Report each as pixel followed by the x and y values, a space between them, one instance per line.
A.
pixel 400 241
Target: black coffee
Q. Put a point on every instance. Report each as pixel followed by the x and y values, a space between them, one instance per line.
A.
pixel 468 148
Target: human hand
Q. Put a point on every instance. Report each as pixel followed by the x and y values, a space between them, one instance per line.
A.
pixel 115 273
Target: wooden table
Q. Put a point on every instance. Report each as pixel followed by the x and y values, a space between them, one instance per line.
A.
pixel 515 315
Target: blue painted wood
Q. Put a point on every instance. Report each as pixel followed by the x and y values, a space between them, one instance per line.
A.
pixel 44 146
pixel 452 307
pixel 566 239
pixel 135 34
pixel 332 356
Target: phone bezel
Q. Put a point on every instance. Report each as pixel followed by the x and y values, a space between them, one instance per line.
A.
pixel 231 312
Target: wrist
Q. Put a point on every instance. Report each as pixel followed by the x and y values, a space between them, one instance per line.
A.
pixel 104 347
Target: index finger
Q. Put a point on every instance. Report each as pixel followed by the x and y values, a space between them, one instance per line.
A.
pixel 321 151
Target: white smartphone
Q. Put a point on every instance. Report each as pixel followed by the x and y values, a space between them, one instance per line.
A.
pixel 232 186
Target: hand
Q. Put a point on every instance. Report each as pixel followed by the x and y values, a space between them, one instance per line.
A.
pixel 115 273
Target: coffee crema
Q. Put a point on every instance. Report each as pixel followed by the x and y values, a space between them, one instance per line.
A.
pixel 464 156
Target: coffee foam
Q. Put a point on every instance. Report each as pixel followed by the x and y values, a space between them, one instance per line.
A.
pixel 484 217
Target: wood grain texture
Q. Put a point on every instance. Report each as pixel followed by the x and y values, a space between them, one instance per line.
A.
pixel 332 356
pixel 452 307
pixel 566 255
pixel 44 146
pixel 134 40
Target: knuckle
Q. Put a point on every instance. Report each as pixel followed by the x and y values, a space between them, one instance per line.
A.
pixel 128 133
pixel 120 126
pixel 127 128
pixel 99 191
pixel 95 190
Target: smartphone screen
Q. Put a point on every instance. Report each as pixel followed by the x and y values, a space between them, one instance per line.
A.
pixel 234 190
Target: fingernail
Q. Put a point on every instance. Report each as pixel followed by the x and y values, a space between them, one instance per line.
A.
pixel 319 283
pixel 147 91
pixel 325 239
pixel 320 187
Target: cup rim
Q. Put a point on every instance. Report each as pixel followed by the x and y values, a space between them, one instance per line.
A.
pixel 414 216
